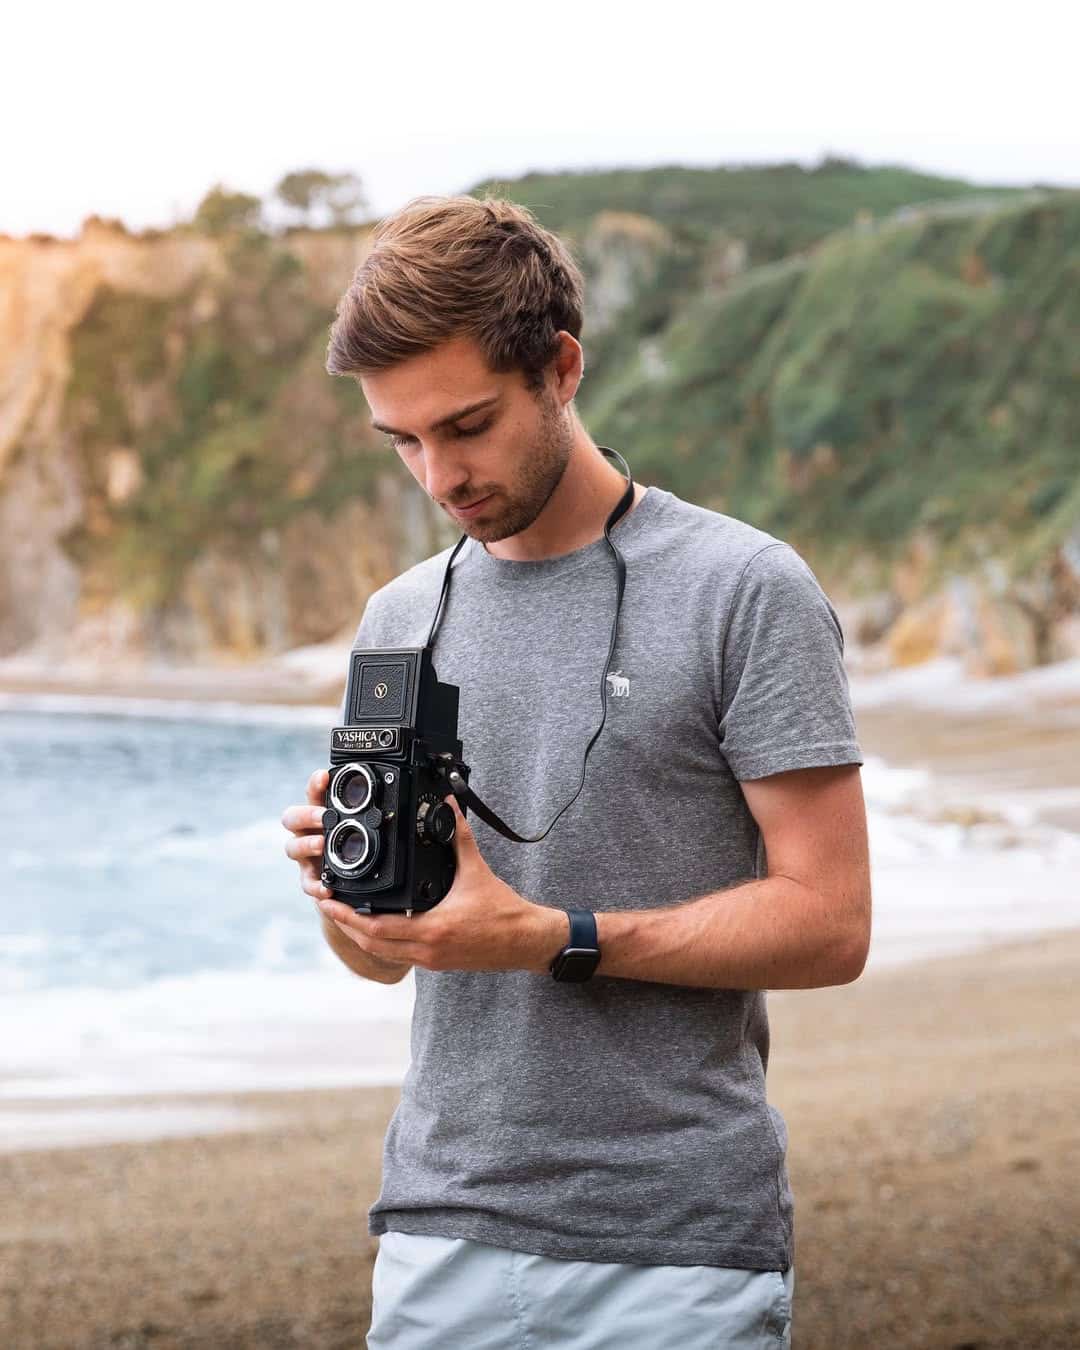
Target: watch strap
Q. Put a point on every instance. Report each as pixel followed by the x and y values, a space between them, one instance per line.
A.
pixel 579 958
pixel 582 928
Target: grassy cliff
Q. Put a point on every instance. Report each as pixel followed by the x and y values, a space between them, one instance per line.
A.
pixel 912 374
pixel 864 361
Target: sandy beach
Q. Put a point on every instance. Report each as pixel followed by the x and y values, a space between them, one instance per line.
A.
pixel 934 1114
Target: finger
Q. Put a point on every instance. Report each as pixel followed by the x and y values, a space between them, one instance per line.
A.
pixel 316 788
pixel 311 882
pixel 390 928
pixel 357 927
pixel 396 954
pixel 403 958
pixel 465 846
pixel 303 819
pixel 300 846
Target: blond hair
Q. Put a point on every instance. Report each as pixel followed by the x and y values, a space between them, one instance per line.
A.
pixel 444 267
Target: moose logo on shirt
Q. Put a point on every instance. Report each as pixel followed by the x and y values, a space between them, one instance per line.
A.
pixel 618 685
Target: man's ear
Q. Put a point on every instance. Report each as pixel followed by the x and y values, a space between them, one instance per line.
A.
pixel 569 363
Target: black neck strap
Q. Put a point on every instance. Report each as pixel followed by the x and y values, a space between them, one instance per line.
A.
pixel 455 780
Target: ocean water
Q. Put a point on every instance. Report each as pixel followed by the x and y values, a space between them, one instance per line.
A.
pixel 153 934
pixel 154 937
pixel 142 848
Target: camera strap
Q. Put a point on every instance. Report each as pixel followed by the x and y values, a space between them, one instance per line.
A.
pixel 458 786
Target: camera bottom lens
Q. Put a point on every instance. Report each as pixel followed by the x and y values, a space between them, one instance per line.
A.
pixel 352 847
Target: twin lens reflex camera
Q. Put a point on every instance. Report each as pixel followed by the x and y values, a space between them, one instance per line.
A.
pixel 389 830
pixel 389 833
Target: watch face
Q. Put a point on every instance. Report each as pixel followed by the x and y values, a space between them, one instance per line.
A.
pixel 574 964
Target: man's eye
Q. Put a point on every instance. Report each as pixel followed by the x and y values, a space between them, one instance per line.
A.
pixel 475 431
pixel 400 442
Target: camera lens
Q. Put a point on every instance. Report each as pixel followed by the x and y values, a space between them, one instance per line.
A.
pixel 352 847
pixel 354 788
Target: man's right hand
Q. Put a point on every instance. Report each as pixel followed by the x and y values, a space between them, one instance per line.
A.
pixel 305 847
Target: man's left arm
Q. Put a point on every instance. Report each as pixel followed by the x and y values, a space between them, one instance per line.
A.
pixel 787 733
pixel 805 924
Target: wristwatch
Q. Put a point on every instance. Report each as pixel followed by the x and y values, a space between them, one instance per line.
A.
pixel 581 955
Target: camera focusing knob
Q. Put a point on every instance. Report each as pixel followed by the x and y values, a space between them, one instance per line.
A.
pixel 435 823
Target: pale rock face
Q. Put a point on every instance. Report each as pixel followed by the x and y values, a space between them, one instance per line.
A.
pixel 916 636
pixel 995 624
pixel 1070 555
pixel 123 475
pixel 1069 637
pixel 621 252
pixel 726 258
pixel 40 586
pixel 303 583
pixel 45 289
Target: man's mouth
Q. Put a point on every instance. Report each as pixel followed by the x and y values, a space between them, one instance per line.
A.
pixel 472 507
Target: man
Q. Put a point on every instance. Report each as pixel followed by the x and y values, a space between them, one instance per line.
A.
pixel 592 1163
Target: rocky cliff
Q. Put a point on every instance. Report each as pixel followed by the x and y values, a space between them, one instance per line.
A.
pixel 179 477
pixel 887 382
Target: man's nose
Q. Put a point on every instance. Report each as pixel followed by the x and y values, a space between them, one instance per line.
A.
pixel 444 475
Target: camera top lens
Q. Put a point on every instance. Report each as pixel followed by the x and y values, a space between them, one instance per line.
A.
pixel 354 788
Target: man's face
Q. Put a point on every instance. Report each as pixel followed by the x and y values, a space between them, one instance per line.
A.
pixel 502 460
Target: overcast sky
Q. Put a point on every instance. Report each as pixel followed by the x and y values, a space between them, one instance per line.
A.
pixel 135 110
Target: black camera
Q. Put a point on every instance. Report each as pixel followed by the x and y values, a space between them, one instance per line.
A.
pixel 389 831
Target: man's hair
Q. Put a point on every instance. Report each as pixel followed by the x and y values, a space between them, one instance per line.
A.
pixel 444 267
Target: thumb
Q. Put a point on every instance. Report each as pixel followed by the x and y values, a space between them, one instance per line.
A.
pixel 316 788
pixel 465 845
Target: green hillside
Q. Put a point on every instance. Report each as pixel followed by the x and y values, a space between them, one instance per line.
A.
pixel 778 209
pixel 919 374
pixel 844 356
pixel 245 430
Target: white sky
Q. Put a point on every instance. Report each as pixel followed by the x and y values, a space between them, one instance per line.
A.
pixel 135 110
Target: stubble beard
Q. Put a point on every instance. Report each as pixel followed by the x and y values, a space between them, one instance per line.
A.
pixel 541 471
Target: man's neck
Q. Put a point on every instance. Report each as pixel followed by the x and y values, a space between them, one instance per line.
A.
pixel 576 511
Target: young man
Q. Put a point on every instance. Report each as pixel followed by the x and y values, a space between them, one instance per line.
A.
pixel 589 1163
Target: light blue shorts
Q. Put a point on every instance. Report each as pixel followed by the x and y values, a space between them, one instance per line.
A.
pixel 438 1293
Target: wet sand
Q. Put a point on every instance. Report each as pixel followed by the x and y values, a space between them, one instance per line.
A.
pixel 935 1148
pixel 246 682
pixel 1025 757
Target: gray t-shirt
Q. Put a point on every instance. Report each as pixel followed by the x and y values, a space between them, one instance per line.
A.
pixel 618 1119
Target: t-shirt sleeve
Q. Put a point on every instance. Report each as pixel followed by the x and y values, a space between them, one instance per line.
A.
pixel 785 701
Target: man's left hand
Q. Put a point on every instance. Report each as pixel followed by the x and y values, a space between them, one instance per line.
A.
pixel 481 923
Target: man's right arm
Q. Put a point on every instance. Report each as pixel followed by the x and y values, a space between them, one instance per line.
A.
pixel 359 961
pixel 305 846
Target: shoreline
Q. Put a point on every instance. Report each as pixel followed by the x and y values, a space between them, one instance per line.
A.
pixel 191 1113
pixel 948 836
pixel 984 740
pixel 932 1130
pixel 315 676
pixel 184 684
